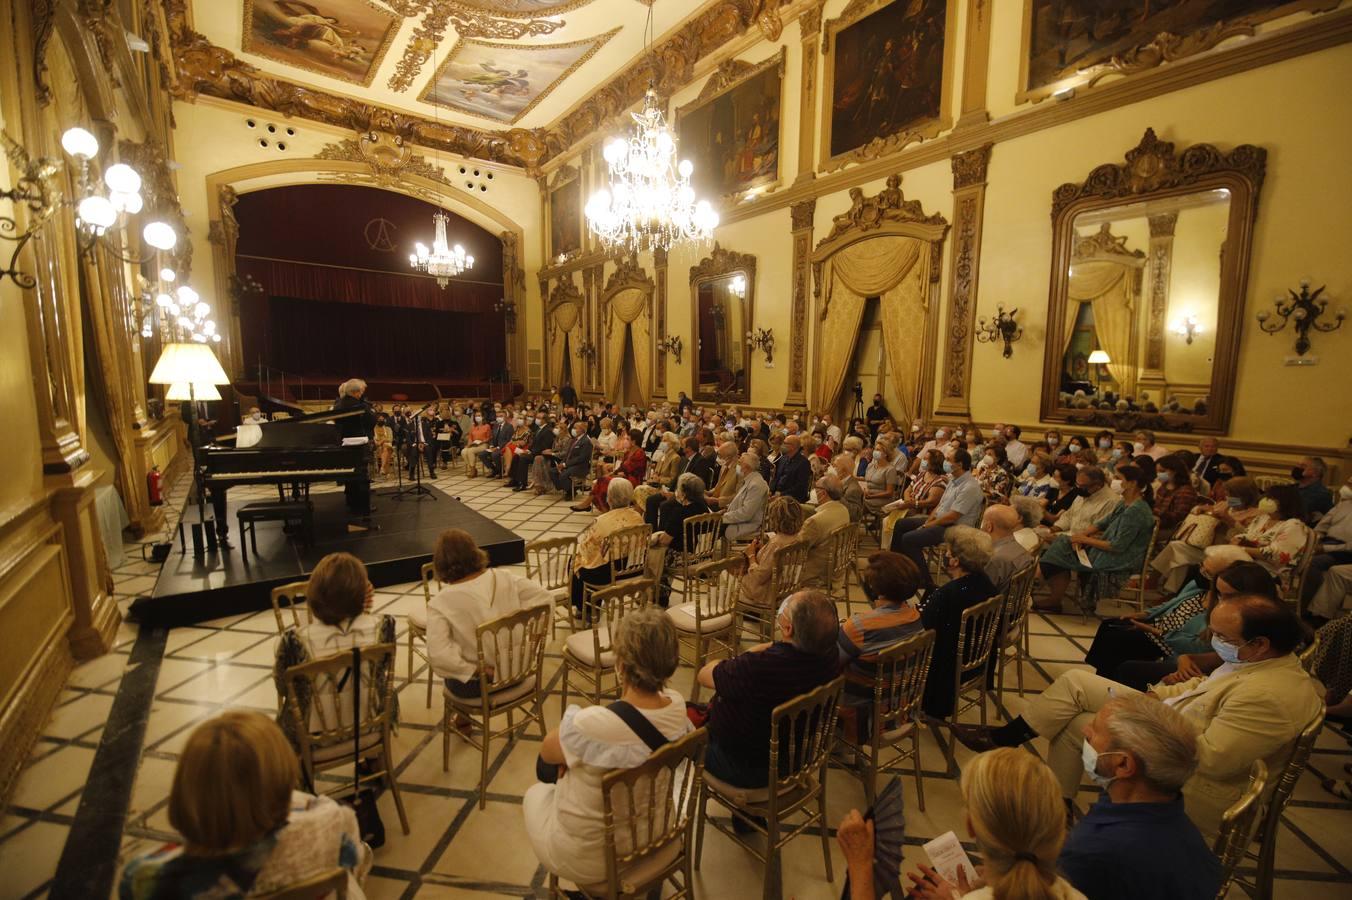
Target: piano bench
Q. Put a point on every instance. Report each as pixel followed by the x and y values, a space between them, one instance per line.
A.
pixel 301 511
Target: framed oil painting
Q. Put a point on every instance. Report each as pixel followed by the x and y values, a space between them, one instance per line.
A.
pixel 565 214
pixel 888 63
pixel 343 39
pixel 731 132
pixel 503 82
pixel 1071 42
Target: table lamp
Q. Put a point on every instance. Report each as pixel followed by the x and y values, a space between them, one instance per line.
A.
pixel 1098 358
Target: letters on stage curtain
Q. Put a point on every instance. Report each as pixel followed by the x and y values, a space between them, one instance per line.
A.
pixel 1106 285
pixel 867 268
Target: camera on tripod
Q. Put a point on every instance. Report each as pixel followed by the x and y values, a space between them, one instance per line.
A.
pixel 859 392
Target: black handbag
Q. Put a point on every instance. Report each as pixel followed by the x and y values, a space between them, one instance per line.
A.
pixel 363 799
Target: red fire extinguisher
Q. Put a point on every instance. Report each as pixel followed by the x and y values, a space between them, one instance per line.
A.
pixel 153 479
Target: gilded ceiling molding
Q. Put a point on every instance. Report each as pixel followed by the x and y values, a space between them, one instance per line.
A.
pixel 628 275
pixel 389 157
pixel 200 67
pixel 432 29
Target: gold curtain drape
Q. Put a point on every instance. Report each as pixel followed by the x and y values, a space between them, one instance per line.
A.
pixel 1106 285
pixel 868 268
pixel 566 318
pixel 905 311
pixel 627 308
pixel 640 332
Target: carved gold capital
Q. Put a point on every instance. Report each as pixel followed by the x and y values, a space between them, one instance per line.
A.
pixel 969 167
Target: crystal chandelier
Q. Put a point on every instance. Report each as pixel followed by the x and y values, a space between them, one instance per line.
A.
pixel 442 262
pixel 650 204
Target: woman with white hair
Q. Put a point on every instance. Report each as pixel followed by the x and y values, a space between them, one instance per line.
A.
pixel 966 552
pixel 591 562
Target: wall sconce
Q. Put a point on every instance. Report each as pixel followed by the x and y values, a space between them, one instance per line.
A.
pixel 508 310
pixel 1002 328
pixel 34 189
pixel 587 350
pixel 1187 327
pixel 671 344
pixel 101 209
pixel 737 287
pixel 763 339
pixel 1305 308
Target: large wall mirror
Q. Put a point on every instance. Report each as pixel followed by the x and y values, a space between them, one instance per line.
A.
pixel 1149 267
pixel 722 288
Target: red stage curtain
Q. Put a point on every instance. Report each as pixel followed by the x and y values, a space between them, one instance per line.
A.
pixel 307 281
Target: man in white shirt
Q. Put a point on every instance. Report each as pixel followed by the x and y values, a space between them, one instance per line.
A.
pixel 832 430
pixel 960 505
pixel 1015 449
pixel 1097 501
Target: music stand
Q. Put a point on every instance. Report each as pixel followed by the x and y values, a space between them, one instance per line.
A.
pixel 415 489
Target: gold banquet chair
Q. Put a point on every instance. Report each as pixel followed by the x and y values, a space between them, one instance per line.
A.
pixel 513 646
pixel 655 839
pixel 844 556
pixel 786 576
pixel 417 627
pixel 701 543
pixel 706 622
pixel 976 639
pixel 329 738
pixel 332 883
pixel 1012 643
pixel 290 597
pixel 549 563
pixel 589 654
pixel 894 714
pixel 1238 825
pixel 802 731
pixel 627 556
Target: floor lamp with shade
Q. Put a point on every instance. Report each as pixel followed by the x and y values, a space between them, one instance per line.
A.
pixel 194 367
pixel 1098 358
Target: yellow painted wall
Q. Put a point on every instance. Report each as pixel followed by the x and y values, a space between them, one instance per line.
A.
pixel 1194 285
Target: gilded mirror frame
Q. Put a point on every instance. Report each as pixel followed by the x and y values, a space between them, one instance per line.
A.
pixel 1153 170
pixel 722 263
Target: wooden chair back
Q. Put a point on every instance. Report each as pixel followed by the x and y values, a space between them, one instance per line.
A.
pixel 549 562
pixel 651 806
pixel 332 882
pixel 328 683
pixel 844 549
pixel 801 734
pixel 899 682
pixel 1295 578
pixel 627 551
pixel 513 646
pixel 290 596
pixel 1017 601
pixel 977 629
pixel 717 585
pixel 427 574
pixel 700 540
pixel 787 572
pixel 1238 825
pixel 606 607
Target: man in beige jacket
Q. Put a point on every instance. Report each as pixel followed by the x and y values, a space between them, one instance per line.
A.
pixel 1252 707
pixel 729 477
pixel 820 527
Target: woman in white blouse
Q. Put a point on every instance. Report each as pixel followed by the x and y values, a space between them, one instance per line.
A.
pixel 564 820
pixel 473 594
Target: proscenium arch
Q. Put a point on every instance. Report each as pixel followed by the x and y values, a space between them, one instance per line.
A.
pixel 289 172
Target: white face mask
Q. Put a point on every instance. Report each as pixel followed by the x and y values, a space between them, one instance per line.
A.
pixel 1090 757
pixel 877 456
pixel 1117 485
pixel 1138 447
pixel 479 419
pixel 1345 492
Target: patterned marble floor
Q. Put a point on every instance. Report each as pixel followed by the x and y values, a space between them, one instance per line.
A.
pixel 456 850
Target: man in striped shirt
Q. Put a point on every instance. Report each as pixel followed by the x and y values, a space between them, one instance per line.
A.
pixel 890 580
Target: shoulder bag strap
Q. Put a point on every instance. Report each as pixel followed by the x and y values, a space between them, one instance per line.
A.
pixel 639 724
pixel 356 720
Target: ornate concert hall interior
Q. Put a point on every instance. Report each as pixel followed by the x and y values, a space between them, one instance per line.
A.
pixel 1001 340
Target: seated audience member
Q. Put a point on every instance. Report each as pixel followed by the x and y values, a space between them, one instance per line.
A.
pixel 1019 826
pixel 1251 707
pixel 729 476
pixel 967 552
pixel 1207 466
pixel 783 522
pixel 819 531
pixel 791 475
pixel 1145 445
pixel 591 562
pixel 1181 554
pixel 1308 474
pixel 632 467
pixel 1016 449
pixel 880 478
pixel 576 460
pixel 762 450
pixel 1104 447
pixel 1030 514
pixel 1036 480
pixel 1008 556
pixel 1137 840
pixel 384 441
pixel 1177 626
pixel 607 439
pixel 1116 545
pixel 245 830
pixel 920 496
pixel 889 581
pixel 1334 533
pixel 994 474
pixel 665 462
pixel 744 512
pixel 960 505
pixel 339 595
pixel 1067 490
pixel 748 687
pixel 564 820
pixel 472 593
pixel 1276 537
pixel 1174 494
pixel 480 434
pixel 688 501
pixel 851 492
pixel 542 461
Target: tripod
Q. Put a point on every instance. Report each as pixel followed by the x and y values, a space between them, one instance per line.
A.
pixel 415 489
pixel 858 412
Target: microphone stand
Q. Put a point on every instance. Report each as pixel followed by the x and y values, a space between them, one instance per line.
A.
pixel 416 489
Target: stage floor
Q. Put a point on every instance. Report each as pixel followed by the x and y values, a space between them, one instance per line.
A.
pixel 227 583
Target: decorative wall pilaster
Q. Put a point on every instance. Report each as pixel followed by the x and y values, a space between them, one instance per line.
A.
pixel 660 324
pixel 591 287
pixel 801 214
pixel 223 235
pixel 1161 258
pixel 514 293
pixel 810 26
pixel 969 203
pixel 976 61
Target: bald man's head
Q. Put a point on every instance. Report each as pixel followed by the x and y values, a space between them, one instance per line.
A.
pixel 1000 521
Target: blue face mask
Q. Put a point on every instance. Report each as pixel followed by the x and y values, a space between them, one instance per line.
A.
pixel 1032 468
pixel 948 466
pixel 1228 652
pixel 924 465
pixel 1234 502
pixel 1163 477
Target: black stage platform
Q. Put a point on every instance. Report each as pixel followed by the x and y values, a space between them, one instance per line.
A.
pixel 230 583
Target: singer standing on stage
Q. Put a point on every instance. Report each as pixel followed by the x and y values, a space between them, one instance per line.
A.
pixel 350 397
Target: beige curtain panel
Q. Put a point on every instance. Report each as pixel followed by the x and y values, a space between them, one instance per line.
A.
pixel 629 322
pixel 868 268
pixel 566 318
pixel 905 311
pixel 1106 285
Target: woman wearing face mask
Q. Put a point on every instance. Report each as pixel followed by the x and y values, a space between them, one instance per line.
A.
pixel 1178 557
pixel 967 551
pixel 1174 494
pixel 607 439
pixel 1276 537
pixel 1103 446
pixel 1036 478
pixel 1054 441
pixel 1074 447
pixel 852 494
pixel 880 478
pixel 921 495
pixel 995 475
pixel 479 435
pixel 1115 545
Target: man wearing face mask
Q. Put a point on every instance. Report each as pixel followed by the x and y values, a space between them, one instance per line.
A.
pixel 745 510
pixel 542 439
pixel 1252 706
pixel 502 436
pixel 960 505
pixel 1096 500
pixel 1137 840
pixel 1317 499
pixel 576 460
pixel 876 415
pixel 792 473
